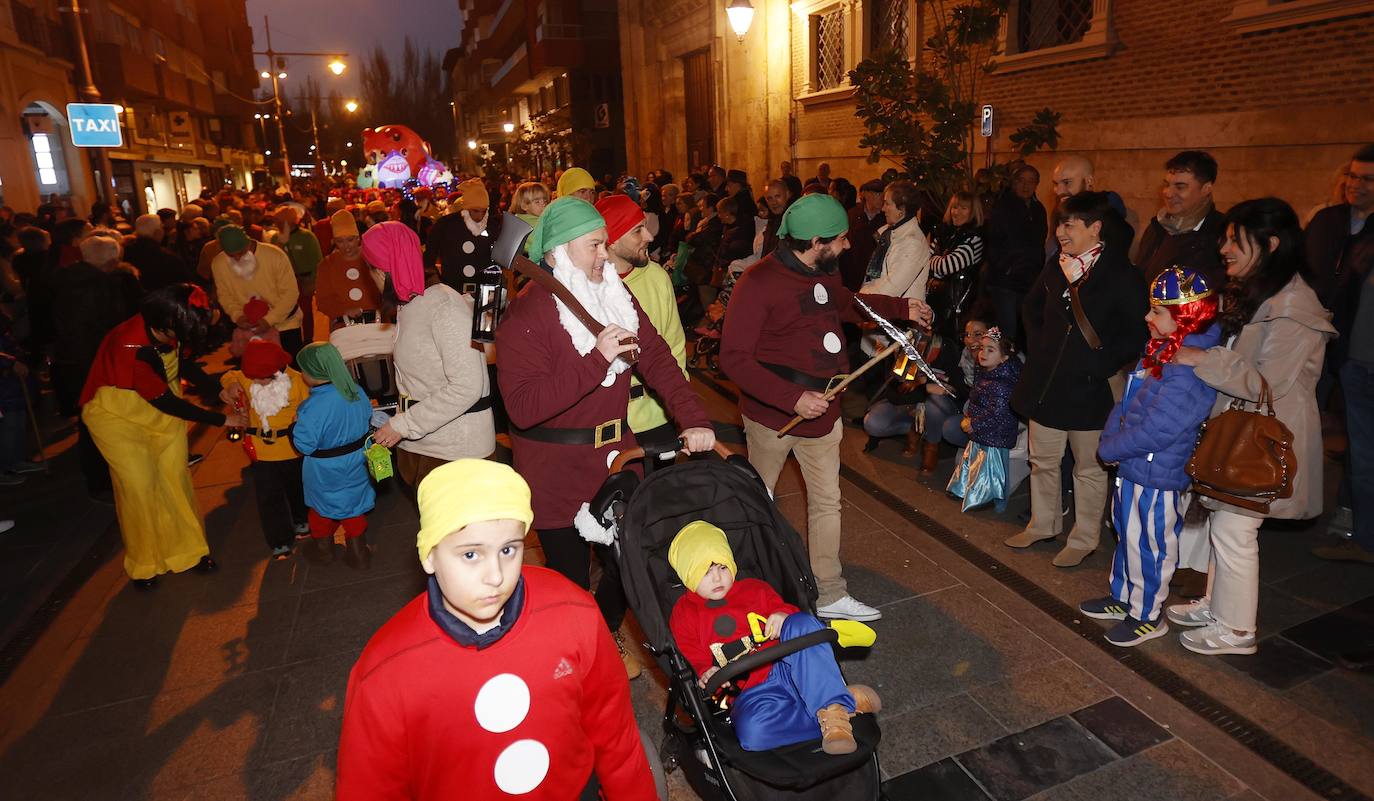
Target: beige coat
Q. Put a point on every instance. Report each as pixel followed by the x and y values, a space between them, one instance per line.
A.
pixel 1285 342
pixel 906 267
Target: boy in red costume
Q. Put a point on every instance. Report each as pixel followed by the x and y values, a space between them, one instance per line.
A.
pixel 499 681
pixel 801 696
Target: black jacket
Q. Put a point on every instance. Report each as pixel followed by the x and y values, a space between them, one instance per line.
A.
pixel 1199 250
pixel 705 242
pixel 157 266
pixel 1064 385
pixel 451 247
pixel 1339 263
pixel 1015 242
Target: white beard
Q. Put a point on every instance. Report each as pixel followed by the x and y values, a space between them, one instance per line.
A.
pixel 245 266
pixel 474 228
pixel 268 399
pixel 609 302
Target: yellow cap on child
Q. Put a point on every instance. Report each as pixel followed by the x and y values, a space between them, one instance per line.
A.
pixel 695 548
pixel 469 491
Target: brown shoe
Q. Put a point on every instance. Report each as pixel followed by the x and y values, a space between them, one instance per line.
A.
pixel 357 554
pixel 633 667
pixel 865 699
pixel 837 735
pixel 913 443
pixel 319 550
pixel 930 457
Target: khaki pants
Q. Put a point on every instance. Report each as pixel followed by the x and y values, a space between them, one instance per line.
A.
pixel 1089 485
pixel 819 458
pixel 1233 585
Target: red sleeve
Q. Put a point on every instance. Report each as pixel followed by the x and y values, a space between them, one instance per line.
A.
pixel 373 764
pixel 766 600
pixel 660 371
pixel 535 384
pixel 687 634
pixel 608 721
pixel 739 344
pixel 149 383
pixel 889 307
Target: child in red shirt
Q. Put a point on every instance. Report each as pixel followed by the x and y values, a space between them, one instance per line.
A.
pixel 797 698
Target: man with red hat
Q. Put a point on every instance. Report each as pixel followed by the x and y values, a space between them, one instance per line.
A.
pixel 268 391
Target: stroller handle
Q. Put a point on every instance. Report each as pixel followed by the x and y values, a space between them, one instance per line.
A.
pixel 638 453
pixel 765 656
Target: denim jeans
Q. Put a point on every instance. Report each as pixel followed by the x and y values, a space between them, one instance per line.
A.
pixel 887 419
pixel 943 416
pixel 1357 384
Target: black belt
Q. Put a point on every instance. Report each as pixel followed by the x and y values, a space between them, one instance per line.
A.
pixel 605 434
pixel 801 379
pixel 341 450
pixel 368 316
pixel 269 435
pixel 483 403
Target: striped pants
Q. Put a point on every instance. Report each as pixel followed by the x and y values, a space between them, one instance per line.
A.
pixel 1148 522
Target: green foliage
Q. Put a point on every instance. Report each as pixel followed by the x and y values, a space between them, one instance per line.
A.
pixel 924 116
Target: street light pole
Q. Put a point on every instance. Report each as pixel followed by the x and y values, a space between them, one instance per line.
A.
pixel 315 132
pixel 90 94
pixel 276 98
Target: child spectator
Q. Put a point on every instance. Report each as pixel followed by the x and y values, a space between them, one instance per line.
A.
pixel 1150 435
pixel 990 424
pixel 253 313
pixel 270 392
pixel 797 698
pixel 500 680
pixel 332 426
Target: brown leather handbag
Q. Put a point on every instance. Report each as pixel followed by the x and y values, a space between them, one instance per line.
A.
pixel 1245 458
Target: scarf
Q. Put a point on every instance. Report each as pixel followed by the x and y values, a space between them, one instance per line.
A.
pixel 1182 225
pixel 394 248
pixel 475 228
pixel 1076 268
pixel 875 262
pixel 268 399
pixel 608 301
pixel 322 362
pixel 245 266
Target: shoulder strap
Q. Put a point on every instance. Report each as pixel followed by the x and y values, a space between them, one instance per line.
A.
pixel 1089 333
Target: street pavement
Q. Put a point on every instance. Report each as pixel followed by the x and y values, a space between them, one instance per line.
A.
pixel 230 685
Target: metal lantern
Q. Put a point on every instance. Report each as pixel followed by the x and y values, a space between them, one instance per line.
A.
pixel 490 297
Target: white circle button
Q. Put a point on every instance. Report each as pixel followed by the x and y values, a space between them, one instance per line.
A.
pixel 821 295
pixel 352 273
pixel 469 247
pixel 502 703
pixel 832 342
pixel 522 767
pixel 355 294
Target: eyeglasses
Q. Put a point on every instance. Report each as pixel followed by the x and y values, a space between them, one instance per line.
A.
pixel 1367 180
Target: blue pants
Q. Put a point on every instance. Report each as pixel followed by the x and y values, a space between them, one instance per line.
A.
pixel 943 416
pixel 887 419
pixel 1148 522
pixel 1357 384
pixel 782 710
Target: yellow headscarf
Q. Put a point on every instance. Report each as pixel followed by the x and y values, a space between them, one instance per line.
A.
pixel 695 548
pixel 573 179
pixel 469 491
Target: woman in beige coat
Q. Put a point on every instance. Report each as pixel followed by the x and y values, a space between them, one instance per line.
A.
pixel 1275 330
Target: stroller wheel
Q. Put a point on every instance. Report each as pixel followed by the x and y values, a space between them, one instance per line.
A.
pixel 656 766
pixel 667 752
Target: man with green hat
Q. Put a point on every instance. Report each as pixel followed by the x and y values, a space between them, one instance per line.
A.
pixel 567 391
pixel 248 269
pixel 783 346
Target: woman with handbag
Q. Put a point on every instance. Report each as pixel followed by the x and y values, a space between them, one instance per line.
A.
pixel 1275 333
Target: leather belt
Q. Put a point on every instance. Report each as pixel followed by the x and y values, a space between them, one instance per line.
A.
pixel 605 434
pixel 483 403
pixel 341 450
pixel 802 379
pixel 268 436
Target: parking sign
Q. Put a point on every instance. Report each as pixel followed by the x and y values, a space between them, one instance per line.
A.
pixel 986 118
pixel 95 124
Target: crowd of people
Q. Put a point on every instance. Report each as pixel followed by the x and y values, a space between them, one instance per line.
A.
pixel 1051 344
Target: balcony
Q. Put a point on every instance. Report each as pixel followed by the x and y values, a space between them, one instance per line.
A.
pixel 118 71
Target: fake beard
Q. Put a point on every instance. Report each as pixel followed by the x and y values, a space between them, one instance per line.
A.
pixel 474 228
pixel 268 399
pixel 245 266
pixel 608 301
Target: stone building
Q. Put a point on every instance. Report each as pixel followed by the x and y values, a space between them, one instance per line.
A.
pixel 1277 90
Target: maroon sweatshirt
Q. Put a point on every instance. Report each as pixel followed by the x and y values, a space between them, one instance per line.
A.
pixel 545 382
pixel 783 313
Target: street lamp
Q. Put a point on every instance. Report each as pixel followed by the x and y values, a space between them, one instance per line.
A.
pixel 264 75
pixel 274 61
pixel 741 14
pixel 508 127
pixel 351 106
pixel 337 66
pixel 472 144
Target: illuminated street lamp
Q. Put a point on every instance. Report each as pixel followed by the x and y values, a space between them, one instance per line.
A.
pixel 264 75
pixel 472 144
pixel 337 66
pixel 351 106
pixel 741 14
pixel 281 76
pixel 508 127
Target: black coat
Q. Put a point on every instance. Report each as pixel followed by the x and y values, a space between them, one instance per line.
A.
pixel 1064 385
pixel 1340 264
pixel 157 266
pixel 1199 250
pixel 1014 242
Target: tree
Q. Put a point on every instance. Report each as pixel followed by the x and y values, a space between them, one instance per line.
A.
pixel 923 115
pixel 416 94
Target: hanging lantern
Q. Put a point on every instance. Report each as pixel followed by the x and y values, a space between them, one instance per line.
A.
pixel 741 14
pixel 490 296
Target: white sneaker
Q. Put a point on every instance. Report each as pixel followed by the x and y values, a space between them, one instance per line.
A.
pixel 1192 614
pixel 1214 639
pixel 6 525
pixel 847 608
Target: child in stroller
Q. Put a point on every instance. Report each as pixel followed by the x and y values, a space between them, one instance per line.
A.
pixel 800 697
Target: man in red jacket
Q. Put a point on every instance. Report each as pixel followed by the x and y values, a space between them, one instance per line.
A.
pixel 782 346
pixel 498 681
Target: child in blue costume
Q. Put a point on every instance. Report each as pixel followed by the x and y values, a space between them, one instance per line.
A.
pixel 797 698
pixel 1150 435
pixel 331 428
pixel 981 475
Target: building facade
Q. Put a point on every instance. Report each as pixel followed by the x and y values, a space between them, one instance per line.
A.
pixel 548 68
pixel 1277 90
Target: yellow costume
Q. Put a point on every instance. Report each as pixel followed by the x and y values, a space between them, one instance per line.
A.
pixel 275 448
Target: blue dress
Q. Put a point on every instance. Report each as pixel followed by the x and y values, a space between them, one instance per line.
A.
pixel 336 487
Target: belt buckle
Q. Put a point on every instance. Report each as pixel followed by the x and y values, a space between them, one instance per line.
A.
pixel 835 380
pixel 268 436
pixel 602 438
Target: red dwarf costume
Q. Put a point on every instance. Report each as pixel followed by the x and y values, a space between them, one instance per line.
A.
pixel 697 623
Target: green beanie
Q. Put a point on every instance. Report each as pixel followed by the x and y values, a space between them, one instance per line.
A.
pixel 812 216
pixel 563 220
pixel 232 238
pixel 323 362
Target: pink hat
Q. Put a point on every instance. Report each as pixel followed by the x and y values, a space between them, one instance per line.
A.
pixel 394 248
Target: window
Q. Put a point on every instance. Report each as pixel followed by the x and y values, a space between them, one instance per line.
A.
pixel 890 26
pixel 827 32
pixel 1051 23
pixel 1040 33
pixel 42 156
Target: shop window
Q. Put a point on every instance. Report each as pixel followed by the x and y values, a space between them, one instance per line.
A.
pixel 1255 16
pixel 1039 33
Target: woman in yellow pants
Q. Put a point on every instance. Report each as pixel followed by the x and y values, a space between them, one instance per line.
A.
pixel 133 407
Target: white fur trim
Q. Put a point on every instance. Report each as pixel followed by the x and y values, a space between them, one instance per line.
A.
pixel 268 399
pixel 608 301
pixel 591 529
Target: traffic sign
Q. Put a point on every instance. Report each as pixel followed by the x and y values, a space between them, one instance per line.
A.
pixel 95 124
pixel 987 121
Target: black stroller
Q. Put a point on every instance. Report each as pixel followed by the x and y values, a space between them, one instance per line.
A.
pixel 699 738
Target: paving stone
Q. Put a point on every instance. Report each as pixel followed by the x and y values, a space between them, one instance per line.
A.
pixel 1333 584
pixel 308 712
pixel 1020 765
pixel 393 552
pixel 1330 634
pixel 879 568
pixel 1034 696
pixel 1279 663
pixel 340 619
pixel 947 727
pixel 1341 697
pixel 219 645
pixel 941 781
pixel 1125 729
pixel 1173 771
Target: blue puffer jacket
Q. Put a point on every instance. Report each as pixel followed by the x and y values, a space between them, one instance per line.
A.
pixel 989 404
pixel 1151 433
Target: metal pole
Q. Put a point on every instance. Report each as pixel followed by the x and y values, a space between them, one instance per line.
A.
pixel 90 94
pixel 276 97
pixel 315 131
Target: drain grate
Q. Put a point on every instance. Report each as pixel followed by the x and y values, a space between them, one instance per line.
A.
pixel 1227 720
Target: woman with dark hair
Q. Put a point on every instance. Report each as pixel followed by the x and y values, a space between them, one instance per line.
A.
pixel 133 407
pixel 842 190
pixel 1275 332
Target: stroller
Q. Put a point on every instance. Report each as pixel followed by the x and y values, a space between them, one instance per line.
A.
pixel 366 349
pixel 698 737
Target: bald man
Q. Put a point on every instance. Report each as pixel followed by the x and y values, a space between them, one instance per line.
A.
pixel 1072 176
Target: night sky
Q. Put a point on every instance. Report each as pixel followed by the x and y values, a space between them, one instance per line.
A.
pixel 354 26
